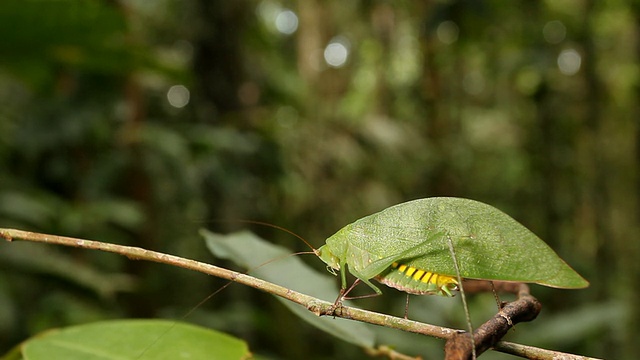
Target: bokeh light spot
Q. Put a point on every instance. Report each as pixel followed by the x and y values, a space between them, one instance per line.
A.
pixel 287 22
pixel 337 52
pixel 554 32
pixel 569 62
pixel 178 96
pixel 448 32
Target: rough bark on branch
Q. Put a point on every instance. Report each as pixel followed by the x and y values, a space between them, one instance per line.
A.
pixel 487 335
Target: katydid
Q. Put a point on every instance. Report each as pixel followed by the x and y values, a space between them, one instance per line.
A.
pixel 406 247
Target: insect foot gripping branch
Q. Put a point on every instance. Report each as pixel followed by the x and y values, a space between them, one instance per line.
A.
pixel 406 246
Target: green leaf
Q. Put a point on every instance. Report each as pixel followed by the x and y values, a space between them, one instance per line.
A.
pixel 134 339
pixel 250 251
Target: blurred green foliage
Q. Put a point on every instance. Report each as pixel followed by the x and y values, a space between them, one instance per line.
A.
pixel 528 106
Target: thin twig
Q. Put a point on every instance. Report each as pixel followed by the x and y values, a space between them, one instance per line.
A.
pixel 318 307
pixel 535 353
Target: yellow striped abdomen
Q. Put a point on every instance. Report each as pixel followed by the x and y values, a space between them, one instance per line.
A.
pixel 418 281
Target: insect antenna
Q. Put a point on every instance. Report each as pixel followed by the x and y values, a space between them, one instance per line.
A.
pixel 208 297
pixel 277 227
pixel 315 251
pixel 186 315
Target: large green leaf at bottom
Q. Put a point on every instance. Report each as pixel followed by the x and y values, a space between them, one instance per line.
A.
pixel 133 340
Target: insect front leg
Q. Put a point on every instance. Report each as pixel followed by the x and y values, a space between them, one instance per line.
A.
pixel 344 291
pixel 343 277
pixel 359 278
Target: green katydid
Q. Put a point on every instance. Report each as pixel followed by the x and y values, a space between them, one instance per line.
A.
pixel 406 247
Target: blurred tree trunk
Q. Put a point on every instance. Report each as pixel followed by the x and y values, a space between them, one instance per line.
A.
pixel 601 208
pixel 631 256
pixel 440 122
pixel 219 68
pixel 309 40
pixel 593 199
pixel 218 60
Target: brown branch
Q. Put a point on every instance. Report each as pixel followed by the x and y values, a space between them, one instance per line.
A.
pixel 317 306
pixel 534 353
pixel 487 335
pixel 520 310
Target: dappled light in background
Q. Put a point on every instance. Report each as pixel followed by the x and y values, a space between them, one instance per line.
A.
pixel 448 32
pixel 178 96
pixel 554 32
pixel 132 121
pixel 569 62
pixel 277 18
pixel 336 52
pixel 287 22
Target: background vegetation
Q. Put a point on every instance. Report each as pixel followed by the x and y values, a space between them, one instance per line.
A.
pixel 140 122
